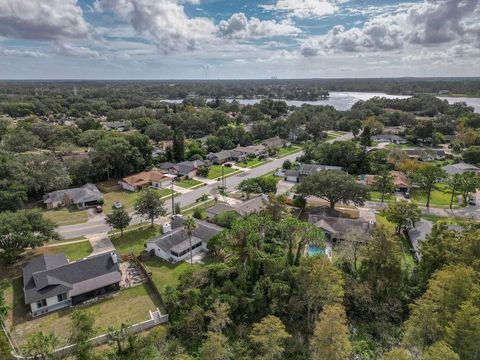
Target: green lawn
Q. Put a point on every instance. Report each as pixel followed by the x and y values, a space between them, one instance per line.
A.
pixel 133 240
pixel 66 216
pixel 188 183
pixel 164 273
pixel 216 171
pixel 251 163
pixel 72 251
pixel 377 196
pixel 440 196
pixel 128 306
pixel 288 150
pixel 127 198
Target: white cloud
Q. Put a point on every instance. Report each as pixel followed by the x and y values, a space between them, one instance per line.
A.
pixel 305 8
pixel 429 23
pixel 73 50
pixel 21 53
pixel 42 20
pixel 164 21
pixel 240 27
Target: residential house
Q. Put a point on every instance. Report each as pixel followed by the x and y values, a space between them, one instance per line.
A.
pixel 401 181
pixel 338 228
pixel 307 169
pixel 275 143
pixel 460 168
pixel 244 208
pixel 85 196
pixel 144 179
pixel 174 244
pixel 51 282
pixel 251 151
pixel 426 154
pixel 187 169
pixel 393 139
pixel 223 156
pixel 120 126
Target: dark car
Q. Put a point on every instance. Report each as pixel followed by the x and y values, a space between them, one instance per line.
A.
pixel 98 208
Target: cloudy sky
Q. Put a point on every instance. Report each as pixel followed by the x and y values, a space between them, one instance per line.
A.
pixel 199 39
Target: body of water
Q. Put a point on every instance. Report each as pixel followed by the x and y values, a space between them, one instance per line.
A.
pixel 315 250
pixel 344 100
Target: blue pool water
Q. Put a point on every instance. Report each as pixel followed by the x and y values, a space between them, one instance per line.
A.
pixel 314 250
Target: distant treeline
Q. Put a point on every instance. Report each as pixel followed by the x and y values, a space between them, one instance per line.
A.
pixel 300 89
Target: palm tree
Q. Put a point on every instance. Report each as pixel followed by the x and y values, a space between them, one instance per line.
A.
pixel 189 225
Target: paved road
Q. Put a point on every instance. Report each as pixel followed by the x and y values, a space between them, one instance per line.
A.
pixel 96 224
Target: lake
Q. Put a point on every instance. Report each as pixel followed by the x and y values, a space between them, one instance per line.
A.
pixel 344 100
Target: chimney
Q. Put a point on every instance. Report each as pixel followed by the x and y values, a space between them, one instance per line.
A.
pixel 114 257
pixel 166 228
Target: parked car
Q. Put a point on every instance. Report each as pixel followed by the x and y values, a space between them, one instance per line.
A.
pixel 228 164
pixel 98 208
pixel 407 195
pixel 117 205
pixel 472 200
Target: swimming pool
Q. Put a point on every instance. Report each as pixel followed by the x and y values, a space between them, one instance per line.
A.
pixel 315 250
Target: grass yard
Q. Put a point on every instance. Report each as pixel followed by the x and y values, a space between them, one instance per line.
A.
pixel 251 163
pixel 440 196
pixel 188 183
pixel 128 306
pixel 216 171
pixel 66 216
pixel 127 198
pixel 408 259
pixel 72 251
pixel 133 240
pixel 377 196
pixel 289 150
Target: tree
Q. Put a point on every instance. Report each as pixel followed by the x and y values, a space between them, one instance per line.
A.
pixel 215 347
pixel 118 219
pixel 41 346
pixel 440 351
pixel 403 214
pixel 277 206
pixel 179 146
pixel 268 336
pixel 12 196
pixel 189 226
pixel 366 137
pixel 333 186
pixel 82 329
pixel 287 165
pixel 469 183
pixel 219 316
pixel 463 333
pixel 118 336
pixel 22 229
pixel 21 140
pixel 454 183
pixel 383 183
pixel 203 171
pixel 149 204
pixel 159 132
pixel 397 354
pixel 249 186
pixel 268 184
pixel 472 155
pixel 330 337
pixel 3 306
pixel 427 176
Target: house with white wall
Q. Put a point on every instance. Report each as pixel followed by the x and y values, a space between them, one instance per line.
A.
pixel 144 179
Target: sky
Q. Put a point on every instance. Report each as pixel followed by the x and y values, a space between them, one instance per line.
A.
pixel 238 39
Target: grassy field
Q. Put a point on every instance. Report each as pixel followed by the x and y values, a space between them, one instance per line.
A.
pixel 126 198
pixel 133 240
pixel 289 150
pixel 440 196
pixel 188 183
pixel 216 171
pixel 128 306
pixel 164 273
pixel 408 260
pixel 66 216
pixel 72 251
pixel 251 163
pixel 377 196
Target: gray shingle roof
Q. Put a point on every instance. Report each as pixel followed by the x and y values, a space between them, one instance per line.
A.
pixel 51 275
pixel 86 193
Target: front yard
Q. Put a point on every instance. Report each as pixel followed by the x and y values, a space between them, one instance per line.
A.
pixel 216 171
pixel 251 163
pixel 377 196
pixel 133 239
pixel 289 150
pixel 440 196
pixel 127 198
pixel 128 306
pixel 73 252
pixel 66 216
pixel 188 183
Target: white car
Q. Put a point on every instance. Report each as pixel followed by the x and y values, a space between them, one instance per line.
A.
pixel 117 205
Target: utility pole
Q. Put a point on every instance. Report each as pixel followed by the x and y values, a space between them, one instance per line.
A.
pixel 173 200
